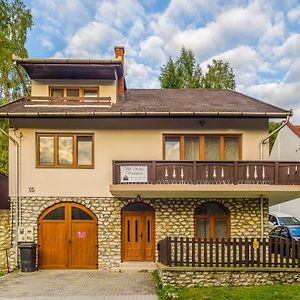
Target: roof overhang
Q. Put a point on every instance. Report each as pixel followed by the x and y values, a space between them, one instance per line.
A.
pixel 71 68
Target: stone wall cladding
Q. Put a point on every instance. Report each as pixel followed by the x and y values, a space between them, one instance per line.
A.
pixel 227 278
pixel 173 217
pixel 4 236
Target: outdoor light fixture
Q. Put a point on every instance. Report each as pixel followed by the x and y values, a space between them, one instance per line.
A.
pixel 202 123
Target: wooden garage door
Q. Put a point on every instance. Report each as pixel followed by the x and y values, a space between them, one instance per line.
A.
pixel 68 237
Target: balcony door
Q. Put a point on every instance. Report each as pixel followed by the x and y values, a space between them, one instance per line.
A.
pixel 138 232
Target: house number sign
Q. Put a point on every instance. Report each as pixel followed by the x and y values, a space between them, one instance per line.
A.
pixel 81 234
pixel 132 174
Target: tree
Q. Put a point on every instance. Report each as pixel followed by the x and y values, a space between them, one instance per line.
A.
pixel 273 126
pixel 15 21
pixel 219 75
pixel 185 72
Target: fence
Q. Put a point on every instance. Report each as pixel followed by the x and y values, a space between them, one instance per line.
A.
pixel 273 252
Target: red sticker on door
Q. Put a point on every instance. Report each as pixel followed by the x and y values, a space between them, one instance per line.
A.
pixel 81 234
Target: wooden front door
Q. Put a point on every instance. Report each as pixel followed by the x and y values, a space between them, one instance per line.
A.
pixel 68 237
pixel 138 236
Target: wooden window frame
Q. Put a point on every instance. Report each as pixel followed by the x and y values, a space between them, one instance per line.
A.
pixel 201 137
pixel 56 165
pixel 81 89
pixel 212 219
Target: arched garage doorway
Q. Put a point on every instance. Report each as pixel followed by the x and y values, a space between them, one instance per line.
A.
pixel 138 232
pixel 68 237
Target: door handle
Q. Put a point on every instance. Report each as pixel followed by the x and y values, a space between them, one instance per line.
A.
pixel 70 242
pixel 141 236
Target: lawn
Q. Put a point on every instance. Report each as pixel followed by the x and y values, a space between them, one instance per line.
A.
pixel 274 292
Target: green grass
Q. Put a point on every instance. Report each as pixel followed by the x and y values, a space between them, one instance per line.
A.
pixel 2 274
pixel 274 292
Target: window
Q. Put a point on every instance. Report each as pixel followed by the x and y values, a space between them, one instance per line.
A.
pixel 172 148
pixel 212 221
pixel 65 150
pixel 72 92
pixel 202 147
pixel 79 92
pixel 57 92
pixel 90 92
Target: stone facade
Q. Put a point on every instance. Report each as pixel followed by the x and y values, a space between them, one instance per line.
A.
pixel 173 217
pixel 4 236
pixel 242 277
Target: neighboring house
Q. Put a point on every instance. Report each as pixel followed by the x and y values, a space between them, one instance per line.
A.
pixel 107 172
pixel 287 147
pixel 4 221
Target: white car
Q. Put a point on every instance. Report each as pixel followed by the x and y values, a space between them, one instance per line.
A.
pixel 278 218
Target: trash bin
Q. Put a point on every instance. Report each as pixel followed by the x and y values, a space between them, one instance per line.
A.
pixel 28 257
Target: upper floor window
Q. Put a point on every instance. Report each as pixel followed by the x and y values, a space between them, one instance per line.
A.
pixel 202 147
pixel 84 92
pixel 65 150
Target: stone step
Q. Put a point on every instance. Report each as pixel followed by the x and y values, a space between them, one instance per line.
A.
pixel 137 265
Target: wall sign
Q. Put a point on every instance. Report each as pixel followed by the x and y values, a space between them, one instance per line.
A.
pixel 81 234
pixel 132 174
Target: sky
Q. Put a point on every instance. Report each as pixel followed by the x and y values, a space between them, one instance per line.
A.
pixel 260 39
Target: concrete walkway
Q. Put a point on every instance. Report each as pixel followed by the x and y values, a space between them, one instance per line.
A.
pixel 78 284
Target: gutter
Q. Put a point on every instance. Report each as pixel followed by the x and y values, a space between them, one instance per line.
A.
pixel 17 189
pixel 263 141
pixel 142 114
pixel 19 60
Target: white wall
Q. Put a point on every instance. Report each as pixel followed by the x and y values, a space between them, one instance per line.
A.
pixel 115 139
pixel 287 147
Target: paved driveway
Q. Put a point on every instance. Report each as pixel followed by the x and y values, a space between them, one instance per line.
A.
pixel 78 284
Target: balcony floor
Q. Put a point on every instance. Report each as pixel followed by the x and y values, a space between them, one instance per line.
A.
pixel 275 193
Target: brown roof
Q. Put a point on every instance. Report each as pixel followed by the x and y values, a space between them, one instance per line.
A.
pixel 154 102
pixel 294 128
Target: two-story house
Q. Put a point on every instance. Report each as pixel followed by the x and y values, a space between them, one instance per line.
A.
pixel 104 172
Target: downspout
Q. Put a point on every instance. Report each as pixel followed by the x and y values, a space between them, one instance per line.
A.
pixel 273 132
pixel 17 187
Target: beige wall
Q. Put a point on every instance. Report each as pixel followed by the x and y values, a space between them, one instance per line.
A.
pixel 107 88
pixel 115 139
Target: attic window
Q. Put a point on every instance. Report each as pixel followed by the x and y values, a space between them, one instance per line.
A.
pixel 72 92
pixel 57 92
pixel 79 92
pixel 90 92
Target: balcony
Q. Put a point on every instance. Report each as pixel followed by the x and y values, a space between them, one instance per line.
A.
pixel 273 179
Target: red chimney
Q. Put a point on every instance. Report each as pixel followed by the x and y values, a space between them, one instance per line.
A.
pixel 119 53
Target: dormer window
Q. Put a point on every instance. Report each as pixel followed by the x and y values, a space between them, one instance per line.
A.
pixel 90 92
pixel 57 93
pixel 77 92
pixel 72 92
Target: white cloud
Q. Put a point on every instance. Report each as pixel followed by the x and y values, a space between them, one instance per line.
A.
pixel 245 61
pixel 46 43
pixel 258 38
pixel 293 74
pixel 87 41
pixel 152 49
pixel 294 14
pixel 284 95
pixel 290 48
